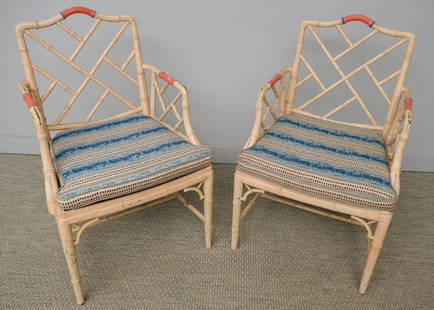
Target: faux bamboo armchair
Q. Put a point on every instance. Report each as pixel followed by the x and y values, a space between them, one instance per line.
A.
pixel 307 158
pixel 98 170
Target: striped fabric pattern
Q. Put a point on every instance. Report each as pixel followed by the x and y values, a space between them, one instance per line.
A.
pixel 117 157
pixel 324 159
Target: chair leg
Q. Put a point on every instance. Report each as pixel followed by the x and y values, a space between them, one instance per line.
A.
pixel 71 259
pixel 236 212
pixel 208 192
pixel 374 252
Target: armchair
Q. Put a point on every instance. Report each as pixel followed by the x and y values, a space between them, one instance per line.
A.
pixel 102 168
pixel 308 158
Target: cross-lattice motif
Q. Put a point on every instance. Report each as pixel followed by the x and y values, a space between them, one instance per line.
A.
pixel 159 93
pixel 273 106
pixel 345 77
pixel 89 75
pixel 166 108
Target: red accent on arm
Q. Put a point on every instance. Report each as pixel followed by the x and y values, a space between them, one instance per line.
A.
pixel 275 78
pixel 359 18
pixel 77 9
pixel 29 100
pixel 167 78
pixel 408 103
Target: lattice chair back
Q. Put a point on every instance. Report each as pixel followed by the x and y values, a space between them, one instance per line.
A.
pixel 310 89
pixel 127 39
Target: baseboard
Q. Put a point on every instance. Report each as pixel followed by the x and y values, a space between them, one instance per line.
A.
pixel 19 144
pixel 418 162
pixel 224 155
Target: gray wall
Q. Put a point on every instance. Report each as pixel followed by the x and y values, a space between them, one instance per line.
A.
pixel 224 51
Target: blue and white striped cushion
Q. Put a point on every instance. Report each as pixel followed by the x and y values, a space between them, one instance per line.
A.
pixel 324 159
pixel 121 156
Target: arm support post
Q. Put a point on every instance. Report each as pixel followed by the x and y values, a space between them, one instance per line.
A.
pixel 50 176
pixel 401 140
pixel 257 129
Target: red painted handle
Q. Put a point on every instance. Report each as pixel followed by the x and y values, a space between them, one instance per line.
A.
pixel 77 9
pixel 408 103
pixel 167 78
pixel 359 18
pixel 275 78
pixel 29 100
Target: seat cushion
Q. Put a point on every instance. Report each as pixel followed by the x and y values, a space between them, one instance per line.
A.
pixel 121 156
pixel 323 159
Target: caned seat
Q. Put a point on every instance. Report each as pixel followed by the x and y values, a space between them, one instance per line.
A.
pixel 328 160
pixel 121 156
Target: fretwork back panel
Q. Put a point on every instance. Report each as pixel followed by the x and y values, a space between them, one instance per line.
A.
pixel 85 69
pixel 348 73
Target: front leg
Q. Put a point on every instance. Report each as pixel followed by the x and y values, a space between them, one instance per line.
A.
pixel 65 232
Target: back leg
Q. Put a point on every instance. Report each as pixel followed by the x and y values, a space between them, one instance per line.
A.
pixel 374 252
pixel 208 201
pixel 236 212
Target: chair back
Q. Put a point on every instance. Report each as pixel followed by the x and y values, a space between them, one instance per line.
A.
pixel 103 79
pixel 355 81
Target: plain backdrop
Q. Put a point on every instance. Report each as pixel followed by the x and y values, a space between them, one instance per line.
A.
pixel 224 51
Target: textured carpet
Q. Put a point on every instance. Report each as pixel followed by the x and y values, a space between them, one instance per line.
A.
pixel 156 259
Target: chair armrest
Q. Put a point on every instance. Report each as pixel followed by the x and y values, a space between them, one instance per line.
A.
pixel 263 107
pixel 49 170
pixel 157 92
pixel 403 123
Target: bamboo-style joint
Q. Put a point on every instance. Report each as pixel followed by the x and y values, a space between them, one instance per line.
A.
pixel 365 224
pixel 24 86
pixel 29 100
pixel 357 17
pixel 77 10
pixel 251 191
pixel 196 189
pixel 164 76
pixel 408 103
pixel 275 78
